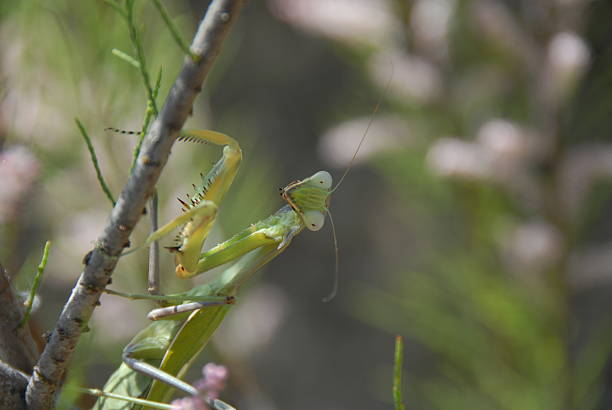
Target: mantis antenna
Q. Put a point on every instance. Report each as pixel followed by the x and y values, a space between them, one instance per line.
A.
pixel 335 286
pixel 365 133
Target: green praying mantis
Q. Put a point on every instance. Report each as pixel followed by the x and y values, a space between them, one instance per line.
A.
pixel 158 356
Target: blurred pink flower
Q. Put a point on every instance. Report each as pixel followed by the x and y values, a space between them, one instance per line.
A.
pixel 189 403
pixel 501 154
pixel 507 146
pixel 510 149
pixel 18 171
pixel 532 247
pixel 455 158
pixel 409 76
pixel 357 22
pixel 568 57
pixel 430 20
pixel 214 380
pixel 387 133
pixel 208 387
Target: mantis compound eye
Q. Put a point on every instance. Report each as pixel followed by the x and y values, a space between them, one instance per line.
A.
pixel 314 220
pixel 322 179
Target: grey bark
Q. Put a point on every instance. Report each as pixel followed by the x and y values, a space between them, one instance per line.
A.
pixel 101 261
pixel 13 384
pixel 153 275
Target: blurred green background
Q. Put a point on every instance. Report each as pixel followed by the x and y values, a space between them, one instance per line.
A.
pixel 475 221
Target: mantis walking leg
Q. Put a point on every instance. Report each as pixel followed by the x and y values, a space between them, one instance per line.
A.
pixel 164 350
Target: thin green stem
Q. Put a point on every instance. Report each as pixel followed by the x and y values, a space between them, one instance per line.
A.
pixel 140 64
pixel 116 7
pixel 149 115
pixel 126 57
pixel 94 159
pixel 179 298
pixel 135 400
pixel 174 31
pixel 397 373
pixel 140 54
pixel 37 280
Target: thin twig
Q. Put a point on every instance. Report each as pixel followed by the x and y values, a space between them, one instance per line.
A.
pixel 133 400
pixel 149 115
pixel 94 159
pixel 153 275
pixel 140 54
pixel 173 30
pixel 101 261
pixel 37 280
pixel 122 55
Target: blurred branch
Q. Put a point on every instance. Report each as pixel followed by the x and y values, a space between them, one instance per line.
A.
pixel 17 347
pixel 101 261
pixel 12 385
pixel 173 30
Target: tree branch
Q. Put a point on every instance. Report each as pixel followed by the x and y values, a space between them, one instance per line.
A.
pixel 12 385
pixel 101 261
pixel 18 349
pixel 17 346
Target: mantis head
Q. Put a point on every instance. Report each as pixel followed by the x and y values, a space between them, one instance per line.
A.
pixel 309 198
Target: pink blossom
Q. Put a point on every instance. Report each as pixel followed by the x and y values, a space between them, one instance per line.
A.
pixel 18 172
pixel 208 387
pixel 214 380
pixel 190 403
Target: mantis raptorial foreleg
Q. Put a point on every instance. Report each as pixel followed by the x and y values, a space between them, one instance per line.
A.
pixel 201 208
pixel 168 347
pixel 164 350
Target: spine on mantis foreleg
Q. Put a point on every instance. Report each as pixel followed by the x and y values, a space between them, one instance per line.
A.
pixel 213 187
pixel 251 249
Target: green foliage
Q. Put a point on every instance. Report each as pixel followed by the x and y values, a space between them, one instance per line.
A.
pixel 36 284
pixel 94 160
pixel 397 373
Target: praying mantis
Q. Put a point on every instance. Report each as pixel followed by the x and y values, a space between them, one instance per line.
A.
pixel 160 354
